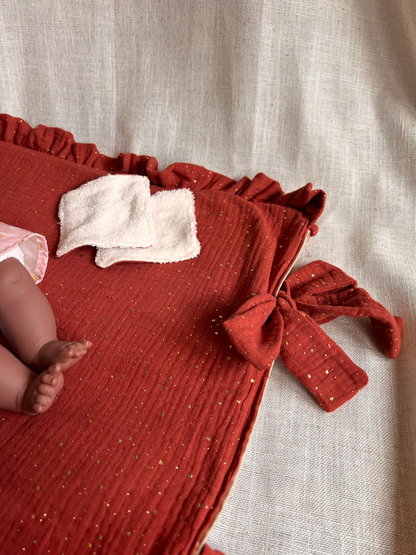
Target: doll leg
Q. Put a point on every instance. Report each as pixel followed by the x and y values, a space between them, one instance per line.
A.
pixel 28 323
pixel 21 390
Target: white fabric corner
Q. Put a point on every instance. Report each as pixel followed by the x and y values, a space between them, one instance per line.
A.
pixel 111 210
pixel 175 239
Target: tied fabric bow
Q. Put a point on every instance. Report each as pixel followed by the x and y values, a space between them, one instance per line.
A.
pixel 265 326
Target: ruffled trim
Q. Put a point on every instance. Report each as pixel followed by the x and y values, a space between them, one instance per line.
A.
pixel 259 189
pixel 61 144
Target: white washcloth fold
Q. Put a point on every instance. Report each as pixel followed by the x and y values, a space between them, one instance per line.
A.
pixel 109 211
pixel 175 234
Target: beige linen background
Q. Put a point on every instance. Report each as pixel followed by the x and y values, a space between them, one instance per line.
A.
pixel 321 91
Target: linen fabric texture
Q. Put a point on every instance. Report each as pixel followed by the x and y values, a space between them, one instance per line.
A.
pixel 319 91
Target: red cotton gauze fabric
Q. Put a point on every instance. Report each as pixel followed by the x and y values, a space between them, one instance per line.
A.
pixel 140 449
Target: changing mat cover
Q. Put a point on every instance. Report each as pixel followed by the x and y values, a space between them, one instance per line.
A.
pixel 140 449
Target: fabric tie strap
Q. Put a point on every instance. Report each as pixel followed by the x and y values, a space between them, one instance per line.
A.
pixel 289 325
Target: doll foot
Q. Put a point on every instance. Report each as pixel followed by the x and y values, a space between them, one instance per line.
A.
pixel 41 391
pixel 66 354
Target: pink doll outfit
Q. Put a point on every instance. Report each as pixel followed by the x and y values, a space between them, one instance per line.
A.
pixel 31 249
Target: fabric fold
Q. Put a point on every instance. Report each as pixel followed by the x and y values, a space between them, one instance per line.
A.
pixel 175 232
pixel 325 292
pixel 61 144
pixel 109 211
pixel 289 325
pixel 31 249
pixel 256 330
pixel 316 360
pixel 117 214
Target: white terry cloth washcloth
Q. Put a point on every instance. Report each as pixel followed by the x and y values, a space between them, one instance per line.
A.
pixel 174 224
pixel 109 211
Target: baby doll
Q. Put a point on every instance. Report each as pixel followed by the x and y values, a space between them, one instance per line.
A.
pixel 30 381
